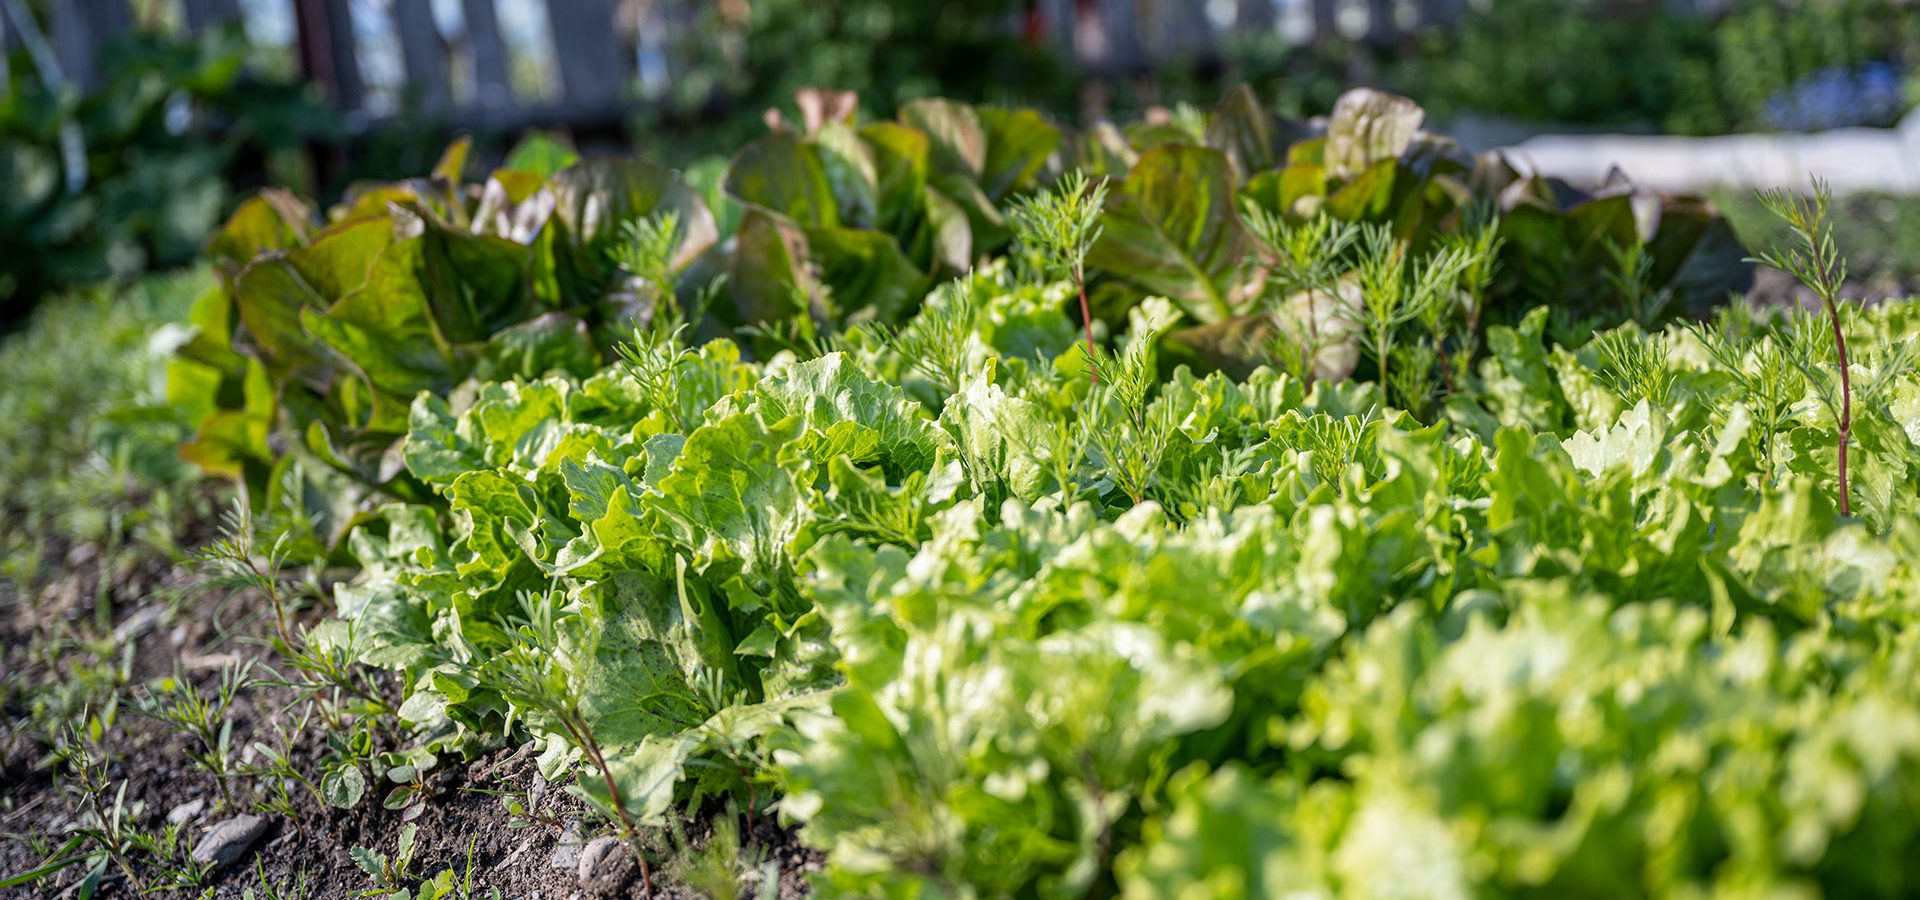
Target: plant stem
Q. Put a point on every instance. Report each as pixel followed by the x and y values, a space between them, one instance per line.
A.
pixel 1380 351
pixel 584 737
pixel 1086 316
pixel 1312 348
pixel 1846 403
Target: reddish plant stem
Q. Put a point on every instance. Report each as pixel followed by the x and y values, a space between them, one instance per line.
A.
pixel 1846 405
pixel 584 738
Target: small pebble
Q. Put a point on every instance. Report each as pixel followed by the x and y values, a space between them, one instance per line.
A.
pixel 137 624
pixel 186 812
pixel 229 840
pixel 606 867
pixel 536 793
pixel 566 853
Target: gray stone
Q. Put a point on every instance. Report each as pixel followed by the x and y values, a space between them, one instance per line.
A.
pixel 137 624
pixel 536 793
pixel 229 840
pixel 518 851
pixel 606 867
pixel 566 853
pixel 186 812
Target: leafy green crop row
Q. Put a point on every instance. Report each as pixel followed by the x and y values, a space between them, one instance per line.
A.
pixel 325 331
pixel 994 604
pixel 1020 634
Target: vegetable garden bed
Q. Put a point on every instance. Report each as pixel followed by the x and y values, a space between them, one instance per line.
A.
pixel 1276 509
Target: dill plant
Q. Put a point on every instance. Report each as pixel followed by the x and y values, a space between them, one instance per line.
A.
pixel 1760 367
pixel 1308 259
pixel 1061 227
pixel 1395 292
pixel 1812 258
pixel 938 344
pixel 1632 278
pixel 1333 444
pixel 1480 243
pixel 1190 120
pixel 1128 432
pixel 645 251
pixel 1634 367
pixel 668 374
pixel 799 334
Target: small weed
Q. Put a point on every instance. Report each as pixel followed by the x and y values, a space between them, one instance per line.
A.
pixel 1634 367
pixel 206 718
pixel 1060 227
pixel 292 889
pixel 719 867
pixel 939 342
pixel 106 835
pixel 237 560
pixel 390 874
pixel 273 766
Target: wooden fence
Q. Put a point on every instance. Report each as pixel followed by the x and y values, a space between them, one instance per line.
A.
pixel 601 51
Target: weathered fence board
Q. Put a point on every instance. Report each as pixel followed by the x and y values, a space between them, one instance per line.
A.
pixel 1381 28
pixel 594 67
pixel 488 52
pixel 1181 31
pixel 423 53
pixel 610 53
pixel 596 52
pixel 328 50
pixel 79 29
pixel 203 14
pixel 1326 19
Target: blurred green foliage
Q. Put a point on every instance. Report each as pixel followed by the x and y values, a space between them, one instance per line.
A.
pixel 1605 63
pixel 744 58
pixel 1635 63
pixel 149 176
pixel 87 437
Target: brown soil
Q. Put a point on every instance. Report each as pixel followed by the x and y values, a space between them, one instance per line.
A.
pixel 173 630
